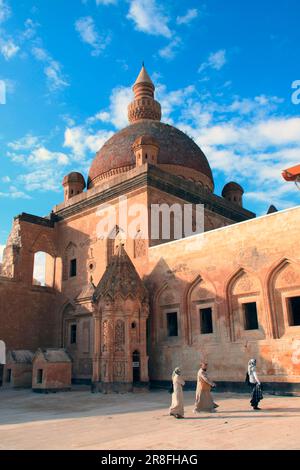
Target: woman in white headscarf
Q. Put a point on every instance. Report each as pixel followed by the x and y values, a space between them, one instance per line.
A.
pixel 254 382
pixel 177 407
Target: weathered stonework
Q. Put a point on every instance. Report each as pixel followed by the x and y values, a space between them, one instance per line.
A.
pixel 106 324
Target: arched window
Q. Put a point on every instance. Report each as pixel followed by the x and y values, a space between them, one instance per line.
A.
pixel 43 269
pixel 70 264
pixel 245 306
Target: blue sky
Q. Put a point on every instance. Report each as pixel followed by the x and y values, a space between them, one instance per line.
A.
pixel 223 69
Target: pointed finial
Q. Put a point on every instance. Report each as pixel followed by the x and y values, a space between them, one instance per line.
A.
pixel 144 105
pixel 144 77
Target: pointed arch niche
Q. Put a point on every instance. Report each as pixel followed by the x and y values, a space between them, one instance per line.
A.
pixel 284 298
pixel 168 321
pixel 246 318
pixel 68 320
pixel 43 261
pixel 116 237
pixel 70 255
pixel 202 324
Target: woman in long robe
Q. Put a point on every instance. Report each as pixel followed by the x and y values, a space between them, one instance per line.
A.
pixel 204 400
pixel 177 407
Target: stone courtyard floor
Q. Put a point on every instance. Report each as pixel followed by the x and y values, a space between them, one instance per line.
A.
pixel 80 420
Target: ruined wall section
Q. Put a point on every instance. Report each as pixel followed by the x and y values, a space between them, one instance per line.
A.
pixel 29 314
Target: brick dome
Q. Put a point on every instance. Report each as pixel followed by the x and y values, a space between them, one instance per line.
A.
pixel 232 186
pixel 74 177
pixel 177 152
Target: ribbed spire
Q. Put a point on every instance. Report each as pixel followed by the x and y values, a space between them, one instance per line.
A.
pixel 143 77
pixel 144 105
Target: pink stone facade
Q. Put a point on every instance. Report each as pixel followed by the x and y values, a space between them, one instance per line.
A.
pixel 225 295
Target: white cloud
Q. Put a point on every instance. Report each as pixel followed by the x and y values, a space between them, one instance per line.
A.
pixel 149 18
pixel 280 131
pixel 56 80
pixel 172 100
pixel 190 15
pixel 44 168
pixel 5 11
pixel 216 61
pixel 8 49
pixel 40 54
pixel 259 104
pixel 87 30
pixel 14 193
pixel 5 179
pixel 53 69
pixel 106 2
pixel 39 156
pixel 48 178
pixel 117 113
pixel 119 101
pixel 25 143
pixel 82 140
pixel 30 29
pixel 169 51
pixel 103 116
pixel 42 155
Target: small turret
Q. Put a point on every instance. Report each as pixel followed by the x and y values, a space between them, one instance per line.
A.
pixel 73 184
pixel 146 150
pixel 233 193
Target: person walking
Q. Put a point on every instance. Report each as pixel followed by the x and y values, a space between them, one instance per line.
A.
pixel 204 399
pixel 177 406
pixel 254 382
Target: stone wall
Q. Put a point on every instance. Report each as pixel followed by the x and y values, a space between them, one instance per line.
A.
pixel 254 261
pixel 30 316
pixel 56 376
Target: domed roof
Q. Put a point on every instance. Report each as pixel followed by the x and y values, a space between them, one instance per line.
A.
pixel 74 177
pixel 175 148
pixel 232 186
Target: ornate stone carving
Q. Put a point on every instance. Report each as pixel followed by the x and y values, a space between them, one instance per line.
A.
pixel 139 246
pixel 245 284
pixel 119 370
pixel 119 336
pixel 287 277
pixel 105 334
